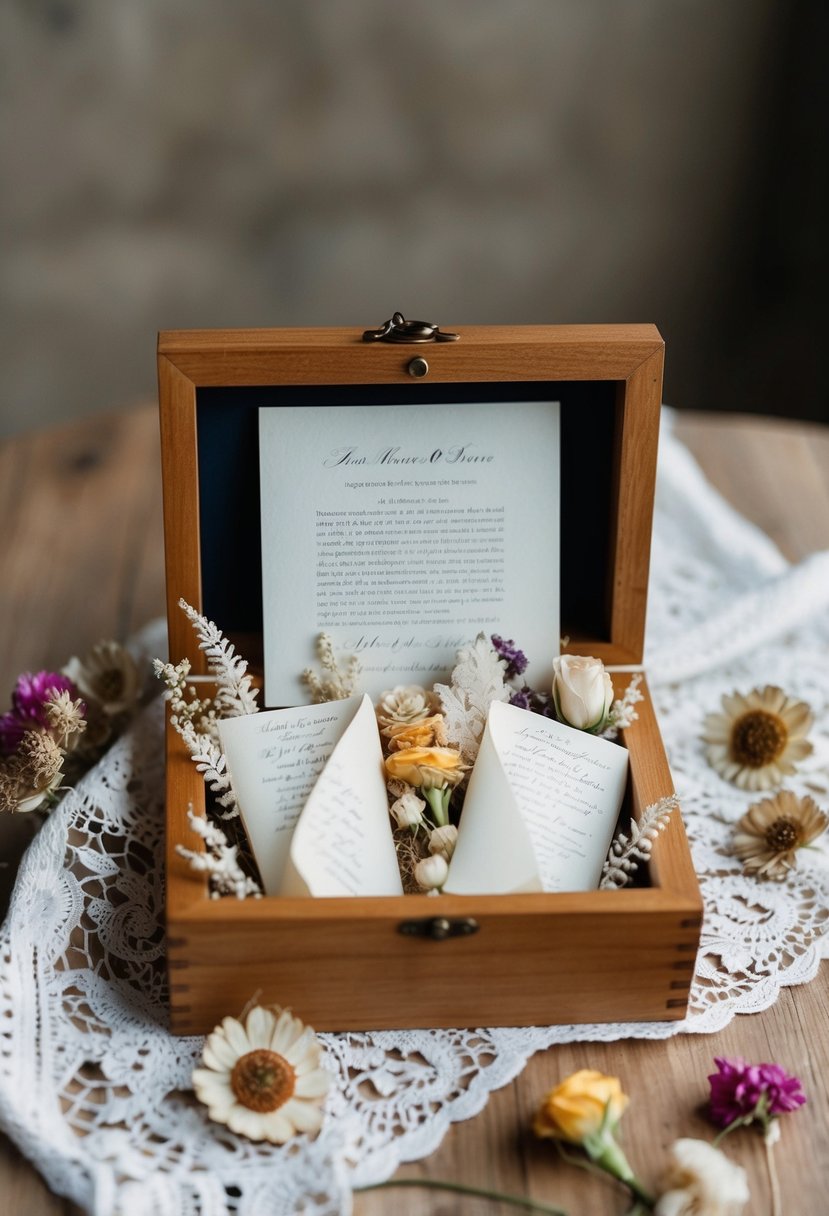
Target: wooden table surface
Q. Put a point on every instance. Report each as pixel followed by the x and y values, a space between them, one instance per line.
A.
pixel 81 559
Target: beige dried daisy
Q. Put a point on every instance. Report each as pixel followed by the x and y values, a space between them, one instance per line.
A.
pixel 263 1079
pixel 768 836
pixel 759 738
pixel 108 676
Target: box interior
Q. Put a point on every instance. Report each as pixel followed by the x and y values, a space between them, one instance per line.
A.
pixel 228 462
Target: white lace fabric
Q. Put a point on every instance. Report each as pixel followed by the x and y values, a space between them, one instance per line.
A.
pixel 94 1089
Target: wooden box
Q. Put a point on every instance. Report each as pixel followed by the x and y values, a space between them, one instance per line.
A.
pixel 344 964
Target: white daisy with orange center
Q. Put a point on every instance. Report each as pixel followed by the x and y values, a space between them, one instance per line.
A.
pixel 264 1078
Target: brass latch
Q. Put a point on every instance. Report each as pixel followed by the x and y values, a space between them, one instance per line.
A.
pixel 398 329
pixel 438 928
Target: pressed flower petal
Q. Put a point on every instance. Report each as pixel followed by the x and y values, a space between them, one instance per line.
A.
pixel 314 1084
pixel 276 1127
pixel 286 1031
pixel 303 1116
pixel 218 1053
pixel 235 1034
pixel 259 1027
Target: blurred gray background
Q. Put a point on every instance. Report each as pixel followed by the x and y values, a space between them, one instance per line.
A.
pixel 178 163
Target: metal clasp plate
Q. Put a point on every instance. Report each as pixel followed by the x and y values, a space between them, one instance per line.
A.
pixel 438 928
pixel 398 329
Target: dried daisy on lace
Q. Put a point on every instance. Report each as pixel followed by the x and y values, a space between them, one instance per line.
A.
pixel 30 778
pixel 759 738
pixel 768 836
pixel 107 676
pixel 263 1078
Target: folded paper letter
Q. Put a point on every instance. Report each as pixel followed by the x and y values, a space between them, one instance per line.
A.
pixel 312 796
pixel 542 803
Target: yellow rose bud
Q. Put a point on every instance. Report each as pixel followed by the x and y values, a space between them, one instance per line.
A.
pixel 575 1109
pixel 429 732
pixel 426 767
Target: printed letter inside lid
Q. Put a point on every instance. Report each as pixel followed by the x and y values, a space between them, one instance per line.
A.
pixel 312 797
pixel 542 803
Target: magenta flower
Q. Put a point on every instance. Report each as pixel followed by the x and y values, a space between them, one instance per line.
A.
pixel 28 711
pixel 741 1093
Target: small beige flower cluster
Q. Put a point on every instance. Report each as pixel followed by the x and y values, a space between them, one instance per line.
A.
pixel 417 758
pixel 756 743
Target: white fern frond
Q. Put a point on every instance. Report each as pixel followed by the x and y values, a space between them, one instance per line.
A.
pixel 626 852
pixel 477 681
pixel 236 695
pixel 220 861
pixel 211 763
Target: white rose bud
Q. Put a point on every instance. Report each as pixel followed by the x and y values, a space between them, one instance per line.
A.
pixel 582 692
pixel 408 810
pixel 442 841
pixel 431 873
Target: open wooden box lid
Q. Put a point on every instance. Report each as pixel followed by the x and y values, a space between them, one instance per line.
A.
pixel 607 377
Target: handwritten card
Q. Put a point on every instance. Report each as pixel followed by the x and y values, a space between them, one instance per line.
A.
pixel 312 796
pixel 402 531
pixel 539 813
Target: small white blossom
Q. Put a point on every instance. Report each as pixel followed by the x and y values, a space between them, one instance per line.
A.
pixel 408 810
pixel 442 841
pixel 701 1181
pixel 431 873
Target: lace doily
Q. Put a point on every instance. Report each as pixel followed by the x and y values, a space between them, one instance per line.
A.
pixel 93 1088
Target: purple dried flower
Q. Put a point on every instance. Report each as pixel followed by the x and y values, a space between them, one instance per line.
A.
pixel 28 712
pixel 742 1092
pixel 522 698
pixel 515 659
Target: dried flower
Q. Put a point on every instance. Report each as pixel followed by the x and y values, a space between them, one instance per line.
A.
pixel 582 692
pixel 742 1093
pixel 442 841
pixel 585 1110
pixel 405 703
pixel 29 776
pixel 29 699
pixel 263 1079
pixel 514 658
pixel 66 718
pixel 407 810
pixel 759 738
pixel 701 1181
pixel 434 770
pixel 428 732
pixel 768 836
pixel 338 685
pixel 431 873
pixel 580 1106
pixel 108 676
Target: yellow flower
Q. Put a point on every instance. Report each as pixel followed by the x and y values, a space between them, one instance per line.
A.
pixel 263 1079
pixel 576 1109
pixel 429 732
pixel 759 739
pixel 426 767
pixel 770 833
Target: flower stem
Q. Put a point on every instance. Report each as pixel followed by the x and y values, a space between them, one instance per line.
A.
pixel 774 1181
pixel 439 802
pixel 460 1188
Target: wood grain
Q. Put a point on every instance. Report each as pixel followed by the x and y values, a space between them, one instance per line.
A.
pixel 82 558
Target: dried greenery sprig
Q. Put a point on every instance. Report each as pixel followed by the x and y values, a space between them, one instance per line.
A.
pixel 626 852
pixel 623 712
pixel 340 682
pixel 220 861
